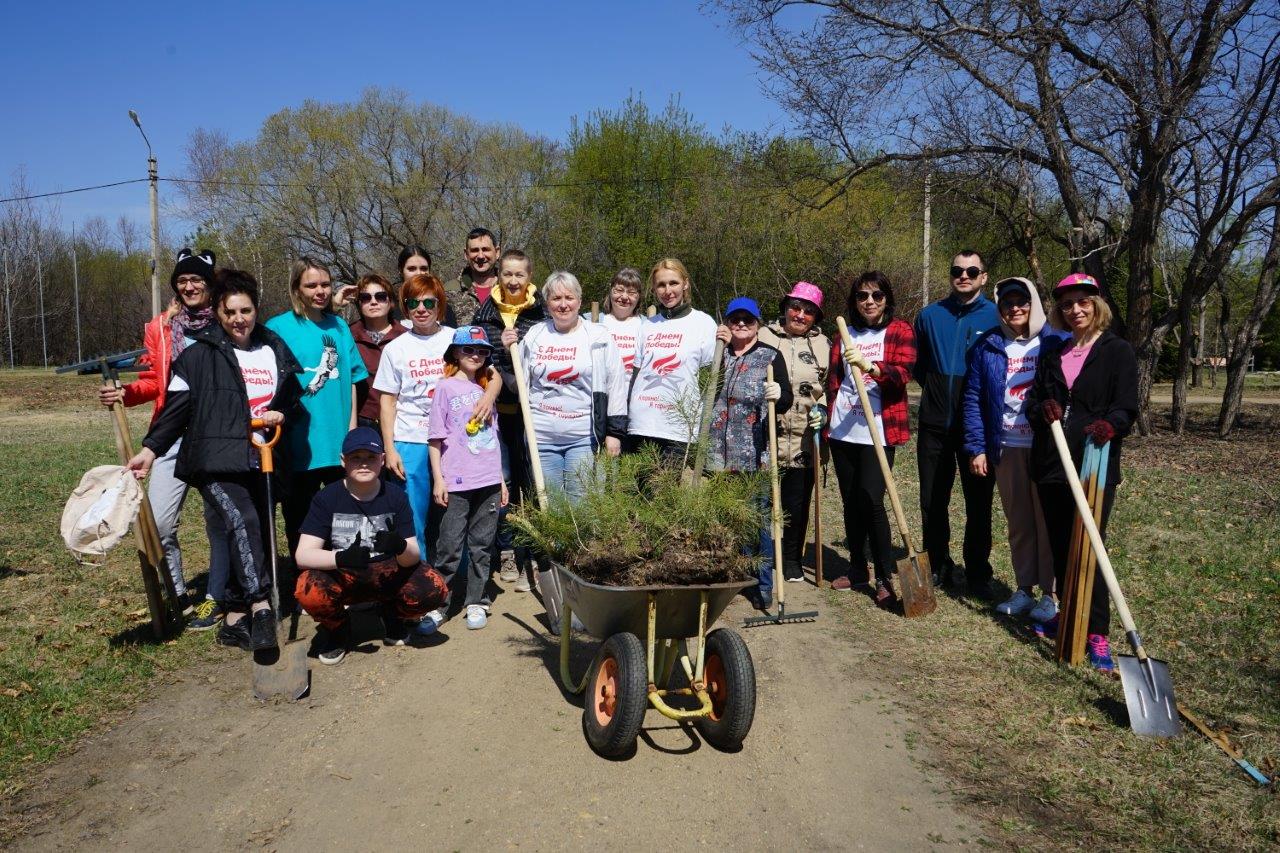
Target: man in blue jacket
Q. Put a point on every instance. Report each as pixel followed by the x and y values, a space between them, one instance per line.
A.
pixel 945 332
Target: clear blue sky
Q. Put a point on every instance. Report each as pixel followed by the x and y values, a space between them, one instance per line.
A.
pixel 73 70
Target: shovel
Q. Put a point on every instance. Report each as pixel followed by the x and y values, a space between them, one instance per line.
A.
pixel 1148 688
pixel 915 580
pixel 279 673
pixel 779 585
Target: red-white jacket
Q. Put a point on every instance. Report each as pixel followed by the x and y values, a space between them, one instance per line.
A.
pixel 157 340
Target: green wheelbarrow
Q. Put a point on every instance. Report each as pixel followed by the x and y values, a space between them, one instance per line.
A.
pixel 630 673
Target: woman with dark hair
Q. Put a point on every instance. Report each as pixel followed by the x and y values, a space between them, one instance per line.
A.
pixel 415 260
pixel 331 366
pixel 621 313
pixel 1089 382
pixel 372 332
pixel 232 372
pixel 884 349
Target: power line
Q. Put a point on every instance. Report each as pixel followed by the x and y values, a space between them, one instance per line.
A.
pixel 69 192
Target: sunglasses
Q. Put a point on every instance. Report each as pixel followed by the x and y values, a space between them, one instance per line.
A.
pixel 741 320
pixel 467 349
pixel 380 296
pixel 428 303
pixel 967 272
pixel 805 308
pixel 1068 304
pixel 871 296
pixel 1014 302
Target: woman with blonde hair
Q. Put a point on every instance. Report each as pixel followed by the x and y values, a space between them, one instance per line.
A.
pixel 673 345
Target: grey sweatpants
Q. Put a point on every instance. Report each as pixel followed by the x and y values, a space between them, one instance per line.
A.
pixel 167 494
pixel 1029 549
pixel 470 521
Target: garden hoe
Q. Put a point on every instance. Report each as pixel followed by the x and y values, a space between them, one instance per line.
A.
pixel 1148 688
pixel 279 673
pixel 915 581
pixel 779 585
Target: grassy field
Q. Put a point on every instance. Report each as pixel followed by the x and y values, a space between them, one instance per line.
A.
pixel 1044 752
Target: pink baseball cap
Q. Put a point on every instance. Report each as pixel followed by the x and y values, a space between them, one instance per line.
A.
pixel 809 293
pixel 1084 281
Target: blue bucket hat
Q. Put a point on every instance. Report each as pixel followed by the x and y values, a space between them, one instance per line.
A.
pixel 471 336
pixel 744 303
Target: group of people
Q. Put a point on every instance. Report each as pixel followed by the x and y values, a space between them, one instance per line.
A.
pixel 405 443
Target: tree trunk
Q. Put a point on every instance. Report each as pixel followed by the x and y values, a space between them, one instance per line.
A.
pixel 1178 415
pixel 1247 336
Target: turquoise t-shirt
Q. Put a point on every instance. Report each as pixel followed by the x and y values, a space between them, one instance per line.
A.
pixel 330 366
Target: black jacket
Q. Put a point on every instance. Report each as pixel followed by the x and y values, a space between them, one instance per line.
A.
pixel 490 319
pixel 1106 389
pixel 212 417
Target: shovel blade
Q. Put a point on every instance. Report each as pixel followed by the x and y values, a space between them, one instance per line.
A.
pixel 915 586
pixel 282 673
pixel 1148 693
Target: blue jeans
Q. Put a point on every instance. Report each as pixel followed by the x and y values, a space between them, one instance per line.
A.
pixel 566 466
pixel 765 546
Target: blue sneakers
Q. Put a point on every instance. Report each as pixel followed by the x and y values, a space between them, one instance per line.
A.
pixel 1100 654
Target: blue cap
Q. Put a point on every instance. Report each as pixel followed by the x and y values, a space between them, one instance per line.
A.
pixel 744 303
pixel 362 438
pixel 471 336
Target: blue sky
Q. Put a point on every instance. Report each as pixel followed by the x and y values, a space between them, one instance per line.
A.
pixel 73 70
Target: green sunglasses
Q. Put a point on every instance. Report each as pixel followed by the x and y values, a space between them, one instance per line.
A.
pixel 427 302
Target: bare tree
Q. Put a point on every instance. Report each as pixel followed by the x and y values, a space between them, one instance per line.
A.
pixel 1246 337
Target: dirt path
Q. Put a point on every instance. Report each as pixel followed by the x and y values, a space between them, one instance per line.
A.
pixel 470 744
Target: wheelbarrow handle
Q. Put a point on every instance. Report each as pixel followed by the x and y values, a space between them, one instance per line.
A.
pixel 264 447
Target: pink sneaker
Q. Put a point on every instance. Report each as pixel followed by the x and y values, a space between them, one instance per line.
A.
pixel 1100 654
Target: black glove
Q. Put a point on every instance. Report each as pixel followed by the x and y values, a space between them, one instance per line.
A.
pixel 389 542
pixel 355 556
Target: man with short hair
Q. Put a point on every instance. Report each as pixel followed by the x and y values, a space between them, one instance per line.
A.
pixel 473 285
pixel 164 337
pixel 945 332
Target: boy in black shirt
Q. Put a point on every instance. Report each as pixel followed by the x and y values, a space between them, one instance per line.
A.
pixel 357 544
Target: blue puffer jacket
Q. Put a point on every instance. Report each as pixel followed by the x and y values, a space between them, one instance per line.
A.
pixel 985 378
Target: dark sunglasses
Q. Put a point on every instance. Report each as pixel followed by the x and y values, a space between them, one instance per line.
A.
pixel 380 296
pixel 969 272
pixel 871 296
pixel 428 302
pixel 803 307
pixel 467 349
pixel 1014 302
pixel 741 320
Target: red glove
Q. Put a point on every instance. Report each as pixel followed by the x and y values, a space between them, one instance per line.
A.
pixel 1101 432
pixel 1052 411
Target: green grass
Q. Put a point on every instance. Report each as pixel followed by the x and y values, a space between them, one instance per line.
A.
pixel 1044 750
pixel 75 642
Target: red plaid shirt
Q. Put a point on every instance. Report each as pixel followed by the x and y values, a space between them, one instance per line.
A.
pixel 895 373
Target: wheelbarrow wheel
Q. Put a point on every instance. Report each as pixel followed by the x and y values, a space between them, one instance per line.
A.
pixel 616 696
pixel 731 682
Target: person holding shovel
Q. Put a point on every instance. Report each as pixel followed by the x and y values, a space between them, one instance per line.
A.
pixel 164 338
pixel 358 545
pixel 805 351
pixel 1089 382
pixel 231 373
pixel 738 437
pixel 997 437
pixel 885 351
pixel 675 343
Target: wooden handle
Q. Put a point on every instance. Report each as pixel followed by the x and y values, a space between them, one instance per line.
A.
pixel 595 311
pixel 776 485
pixel 708 403
pixel 817 510
pixel 522 390
pixel 898 514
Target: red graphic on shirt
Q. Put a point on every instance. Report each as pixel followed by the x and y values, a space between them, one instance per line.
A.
pixel 258 405
pixel 1019 392
pixel 563 377
pixel 667 366
pixel 628 362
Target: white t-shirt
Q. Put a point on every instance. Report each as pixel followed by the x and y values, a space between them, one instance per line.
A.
pixel 261 376
pixel 669 354
pixel 559 366
pixel 625 337
pixel 410 367
pixel 1019 374
pixel 848 420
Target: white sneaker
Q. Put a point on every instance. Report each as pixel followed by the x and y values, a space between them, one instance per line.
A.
pixel 1045 610
pixel 1018 605
pixel 475 617
pixel 430 623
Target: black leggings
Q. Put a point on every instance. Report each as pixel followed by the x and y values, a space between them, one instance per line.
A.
pixel 862 493
pixel 241 502
pixel 797 495
pixel 1059 518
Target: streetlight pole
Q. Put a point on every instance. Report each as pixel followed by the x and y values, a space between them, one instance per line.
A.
pixel 44 337
pixel 153 178
pixel 8 307
pixel 75 282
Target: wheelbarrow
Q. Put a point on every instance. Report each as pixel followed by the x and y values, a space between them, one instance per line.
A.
pixel 629 674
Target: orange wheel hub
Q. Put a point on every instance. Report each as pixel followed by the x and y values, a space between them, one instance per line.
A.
pixel 604 692
pixel 717 687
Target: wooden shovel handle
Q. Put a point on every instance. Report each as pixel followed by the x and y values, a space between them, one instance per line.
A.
pixel 775 484
pixel 522 390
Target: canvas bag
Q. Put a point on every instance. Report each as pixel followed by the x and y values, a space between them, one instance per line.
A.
pixel 100 511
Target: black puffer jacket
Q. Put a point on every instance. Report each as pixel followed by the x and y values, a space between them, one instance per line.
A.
pixel 1106 389
pixel 212 417
pixel 489 318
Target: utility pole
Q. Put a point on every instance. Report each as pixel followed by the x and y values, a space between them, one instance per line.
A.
pixel 928 235
pixel 44 339
pixel 8 307
pixel 153 177
pixel 75 284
